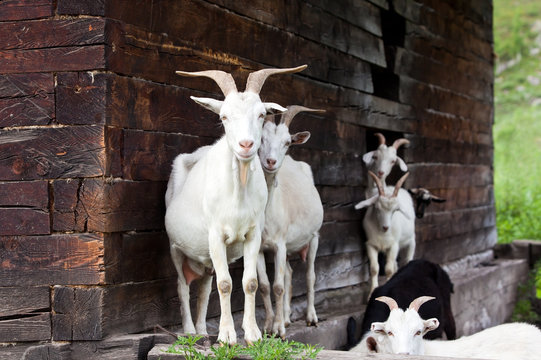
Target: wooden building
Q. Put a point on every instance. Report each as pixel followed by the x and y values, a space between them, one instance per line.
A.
pixel 92 114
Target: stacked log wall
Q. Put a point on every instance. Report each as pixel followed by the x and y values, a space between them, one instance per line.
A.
pixel 92 115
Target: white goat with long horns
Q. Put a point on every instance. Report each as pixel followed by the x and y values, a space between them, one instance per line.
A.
pixel 402 333
pixel 216 202
pixel 389 224
pixel 382 160
pixel 293 217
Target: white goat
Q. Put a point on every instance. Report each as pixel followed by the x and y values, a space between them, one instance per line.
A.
pixel 382 160
pixel 293 217
pixel 215 205
pixel 389 224
pixel 403 332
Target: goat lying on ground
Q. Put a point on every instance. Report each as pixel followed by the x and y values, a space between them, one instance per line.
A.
pixel 216 203
pixel 389 224
pixel 403 330
pixel 293 217
pixel 382 160
pixel 422 198
pixel 418 277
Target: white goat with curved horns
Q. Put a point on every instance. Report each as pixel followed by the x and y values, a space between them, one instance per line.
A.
pixel 293 217
pixel 402 333
pixel 382 160
pixel 216 200
pixel 389 224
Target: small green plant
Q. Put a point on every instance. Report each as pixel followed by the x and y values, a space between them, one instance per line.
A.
pixel 528 294
pixel 268 348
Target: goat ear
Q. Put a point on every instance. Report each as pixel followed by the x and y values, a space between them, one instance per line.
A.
pixel 367 158
pixel 378 327
pixel 371 344
pixel 366 203
pixel 430 324
pixel 208 103
pixel 300 138
pixel 438 199
pixel 273 108
pixel 402 164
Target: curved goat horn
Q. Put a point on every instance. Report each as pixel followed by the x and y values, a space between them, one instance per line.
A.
pixel 399 184
pixel 381 138
pixel 293 110
pixel 257 78
pixel 389 301
pixel 416 304
pixel 399 142
pixel 377 180
pixel 224 80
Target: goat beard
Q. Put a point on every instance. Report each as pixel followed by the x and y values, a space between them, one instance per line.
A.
pixel 243 171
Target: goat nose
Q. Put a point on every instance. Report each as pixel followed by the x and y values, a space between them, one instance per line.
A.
pixel 380 173
pixel 271 162
pixel 246 144
pixel 385 228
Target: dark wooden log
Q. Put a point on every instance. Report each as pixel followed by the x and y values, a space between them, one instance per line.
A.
pixel 38 34
pixel 26 99
pixel 25 9
pixel 92 313
pixel 69 212
pixel 422 149
pixel 137 257
pixel 29 194
pixel 52 153
pixel 35 327
pixel 52 259
pixel 17 221
pixel 81 98
pixel 24 300
pixel 70 58
pixel 81 7
pixel 449 175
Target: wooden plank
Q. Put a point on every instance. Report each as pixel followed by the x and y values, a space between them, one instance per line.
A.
pixel 81 98
pixel 113 148
pixel 23 300
pixel 27 111
pixel 93 313
pixel 320 25
pixel 81 7
pixel 29 193
pixel 137 104
pixel 442 100
pixel 450 176
pixel 25 9
pixel 69 58
pixel 422 149
pixel 18 221
pixel 149 155
pixel 50 33
pixel 52 259
pixel 136 49
pixel 123 205
pixel 58 152
pixel 31 328
pixel 137 257
pixel 69 212
pixel 21 85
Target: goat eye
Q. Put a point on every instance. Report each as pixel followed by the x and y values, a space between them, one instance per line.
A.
pixel 374 157
pixel 224 118
pixel 418 333
pixel 288 143
pixel 393 162
pixel 390 333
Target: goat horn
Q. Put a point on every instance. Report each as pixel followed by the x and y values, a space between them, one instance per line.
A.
pixel 416 304
pixel 224 80
pixel 257 78
pixel 381 191
pixel 293 110
pixel 399 184
pixel 381 138
pixel 399 142
pixel 389 301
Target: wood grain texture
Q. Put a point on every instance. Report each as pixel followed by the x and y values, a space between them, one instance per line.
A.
pixel 25 9
pixel 17 221
pixel 51 259
pixel 81 7
pixel 23 300
pixel 32 328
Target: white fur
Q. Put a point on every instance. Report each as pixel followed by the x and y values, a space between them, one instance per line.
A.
pixel 213 219
pixel 293 217
pixel 381 161
pixel 403 332
pixel 389 224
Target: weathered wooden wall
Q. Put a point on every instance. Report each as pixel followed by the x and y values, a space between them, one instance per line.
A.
pixel 92 114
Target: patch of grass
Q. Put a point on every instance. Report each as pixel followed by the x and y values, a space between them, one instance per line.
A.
pixel 528 306
pixel 268 348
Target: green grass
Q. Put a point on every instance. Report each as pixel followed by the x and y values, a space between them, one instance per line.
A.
pixel 517 129
pixel 268 348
